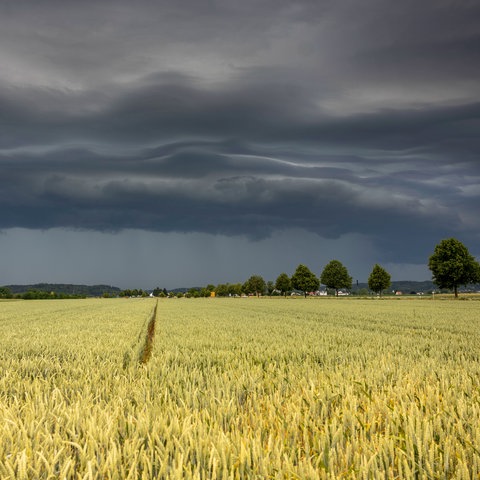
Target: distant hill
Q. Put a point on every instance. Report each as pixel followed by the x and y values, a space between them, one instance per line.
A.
pixel 184 289
pixel 67 289
pixel 407 286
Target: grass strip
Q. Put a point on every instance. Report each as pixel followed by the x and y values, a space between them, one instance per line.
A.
pixel 147 349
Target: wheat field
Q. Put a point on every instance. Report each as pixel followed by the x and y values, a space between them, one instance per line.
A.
pixel 240 388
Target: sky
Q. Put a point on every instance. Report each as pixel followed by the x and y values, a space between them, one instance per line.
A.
pixel 181 143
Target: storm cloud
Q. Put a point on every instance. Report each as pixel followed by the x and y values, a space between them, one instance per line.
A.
pixel 244 119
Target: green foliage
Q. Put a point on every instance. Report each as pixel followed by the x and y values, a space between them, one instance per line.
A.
pixel 379 279
pixel 363 292
pixel 283 283
pixel 221 290
pixel 66 290
pixel 136 292
pixel 235 289
pixel 304 280
pixel 42 295
pixel 193 293
pixel 157 292
pixel 335 275
pixel 5 292
pixel 228 290
pixel 452 265
pixel 255 284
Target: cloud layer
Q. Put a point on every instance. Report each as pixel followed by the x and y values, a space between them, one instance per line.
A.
pixel 336 118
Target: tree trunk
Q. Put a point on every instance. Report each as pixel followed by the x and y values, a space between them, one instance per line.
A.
pixel 455 289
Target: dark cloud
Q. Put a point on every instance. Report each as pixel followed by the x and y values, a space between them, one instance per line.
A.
pixel 246 119
pixel 188 189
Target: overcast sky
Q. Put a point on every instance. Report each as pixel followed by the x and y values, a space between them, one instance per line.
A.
pixel 180 143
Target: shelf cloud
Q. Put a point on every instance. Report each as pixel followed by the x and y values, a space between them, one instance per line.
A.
pixel 244 120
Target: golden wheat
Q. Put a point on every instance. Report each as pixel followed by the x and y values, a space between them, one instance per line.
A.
pixel 240 388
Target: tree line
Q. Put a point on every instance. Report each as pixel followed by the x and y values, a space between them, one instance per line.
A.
pixel 34 294
pixel 334 276
pixel 451 265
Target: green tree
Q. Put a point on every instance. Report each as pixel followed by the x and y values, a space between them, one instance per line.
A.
pixel 235 289
pixel 228 289
pixel 304 280
pixel 379 279
pixel 5 292
pixel 255 284
pixel 335 275
pixel 157 291
pixel 222 290
pixel 452 265
pixel 193 293
pixel 270 287
pixel 283 283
